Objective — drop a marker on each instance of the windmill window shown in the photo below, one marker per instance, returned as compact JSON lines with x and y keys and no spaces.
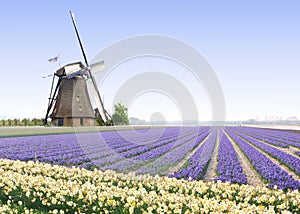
{"x":80,"y":108}
{"x":77,"y":98}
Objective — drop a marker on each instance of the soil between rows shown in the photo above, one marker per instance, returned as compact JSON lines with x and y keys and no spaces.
{"x":210,"y":174}
{"x":277,"y":162}
{"x":188,"y":156}
{"x":252,"y":176}
{"x":290,"y":150}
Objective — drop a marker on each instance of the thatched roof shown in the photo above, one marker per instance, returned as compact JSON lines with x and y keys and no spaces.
{"x":73,"y":99}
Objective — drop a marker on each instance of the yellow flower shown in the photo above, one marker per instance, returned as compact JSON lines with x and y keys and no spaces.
{"x":272,"y":199}
{"x":131,"y":210}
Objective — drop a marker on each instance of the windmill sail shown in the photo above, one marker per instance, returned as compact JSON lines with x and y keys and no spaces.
{"x":98,"y":66}
{"x":95,"y":95}
{"x":94,"y":89}
{"x":94,"y":68}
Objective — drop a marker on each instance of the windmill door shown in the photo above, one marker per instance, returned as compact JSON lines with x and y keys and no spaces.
{"x":60,"y":122}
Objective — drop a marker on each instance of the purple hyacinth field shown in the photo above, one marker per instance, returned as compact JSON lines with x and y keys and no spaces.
{"x":240,"y":155}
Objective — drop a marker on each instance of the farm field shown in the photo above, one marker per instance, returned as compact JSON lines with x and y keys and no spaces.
{"x":173,"y":169}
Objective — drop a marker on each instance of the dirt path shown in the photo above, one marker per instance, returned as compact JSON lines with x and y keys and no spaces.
{"x":283,"y":167}
{"x":190,"y":154}
{"x":252,"y":176}
{"x":294,"y":150}
{"x":210,"y":174}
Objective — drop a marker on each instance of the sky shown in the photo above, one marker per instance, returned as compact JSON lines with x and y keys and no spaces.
{"x":252,"y":46}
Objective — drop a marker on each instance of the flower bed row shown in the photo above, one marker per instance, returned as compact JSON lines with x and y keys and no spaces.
{"x":102,"y":150}
{"x":268,"y":170}
{"x":186,"y":144}
{"x":289,"y":160}
{"x":275,"y":137}
{"x":229,"y":167}
{"x":41,"y":188}
{"x":196,"y":165}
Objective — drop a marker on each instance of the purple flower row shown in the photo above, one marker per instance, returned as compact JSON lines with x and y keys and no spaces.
{"x":138,"y":162}
{"x":267,"y":139}
{"x":96,"y":149}
{"x":273,"y":136}
{"x":229,"y":167}
{"x":154,"y":145}
{"x":196,"y":165}
{"x":287,"y":135}
{"x":268,"y":170}
{"x":162,"y":164}
{"x":124,"y":152}
{"x":66,"y":149}
{"x":290,"y":161}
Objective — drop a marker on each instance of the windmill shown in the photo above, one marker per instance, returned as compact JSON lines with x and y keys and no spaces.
{"x":70,"y":101}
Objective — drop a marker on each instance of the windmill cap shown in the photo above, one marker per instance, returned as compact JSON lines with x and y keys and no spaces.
{"x":69,"y":69}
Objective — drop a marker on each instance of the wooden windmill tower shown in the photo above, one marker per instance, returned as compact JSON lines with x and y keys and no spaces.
{"x":70,"y":101}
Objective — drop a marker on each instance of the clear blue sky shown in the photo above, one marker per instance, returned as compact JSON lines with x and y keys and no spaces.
{"x":253,"y":46}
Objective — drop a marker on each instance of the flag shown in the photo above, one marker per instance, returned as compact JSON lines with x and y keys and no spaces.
{"x":52,"y":60}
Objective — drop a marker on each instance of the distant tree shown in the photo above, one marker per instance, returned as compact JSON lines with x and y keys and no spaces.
{"x":15,"y":122}
{"x":25,"y":122}
{"x":9,"y":122}
{"x":3,"y":122}
{"x":120,"y":116}
{"x":34,"y":122}
{"x":40,"y":122}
